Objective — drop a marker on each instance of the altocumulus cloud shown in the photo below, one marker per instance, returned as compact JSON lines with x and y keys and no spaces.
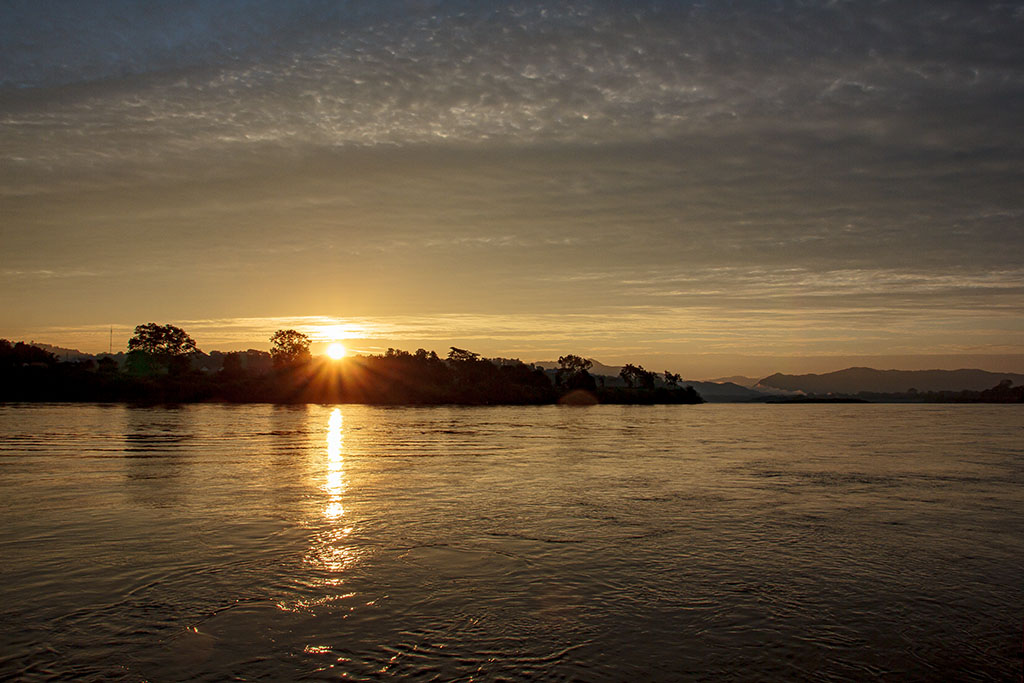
{"x":493,"y":157}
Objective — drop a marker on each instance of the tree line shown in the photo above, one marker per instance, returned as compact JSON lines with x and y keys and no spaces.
{"x":160,"y":367}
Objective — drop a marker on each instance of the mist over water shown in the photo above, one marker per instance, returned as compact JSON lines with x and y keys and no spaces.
{"x":603,"y":543}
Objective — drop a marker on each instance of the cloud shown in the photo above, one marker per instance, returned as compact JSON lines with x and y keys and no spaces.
{"x":222,"y":75}
{"x":783,"y":164}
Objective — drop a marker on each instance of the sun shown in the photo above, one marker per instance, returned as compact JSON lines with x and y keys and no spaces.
{"x":337,"y":351}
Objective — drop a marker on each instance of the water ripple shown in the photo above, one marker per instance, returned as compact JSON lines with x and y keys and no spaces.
{"x":612,"y":543}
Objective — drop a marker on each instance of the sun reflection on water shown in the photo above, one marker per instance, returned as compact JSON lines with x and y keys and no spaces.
{"x":331,"y":549}
{"x":335,"y":484}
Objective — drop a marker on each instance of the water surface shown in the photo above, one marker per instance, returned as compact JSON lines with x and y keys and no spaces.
{"x":602,"y":543}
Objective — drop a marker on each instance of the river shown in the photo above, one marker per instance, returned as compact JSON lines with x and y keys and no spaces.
{"x":742,"y":542}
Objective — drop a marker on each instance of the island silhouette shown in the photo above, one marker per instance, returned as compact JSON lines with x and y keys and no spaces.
{"x":160,"y":367}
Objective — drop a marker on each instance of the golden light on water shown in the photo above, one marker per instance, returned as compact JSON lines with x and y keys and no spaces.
{"x":330,"y":548}
{"x":335,"y":479}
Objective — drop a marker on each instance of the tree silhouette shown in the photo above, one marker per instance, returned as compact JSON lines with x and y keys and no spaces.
{"x":424,"y":355}
{"x":158,"y":372}
{"x":21,"y":353}
{"x":154,"y":349}
{"x":572,"y":373}
{"x":672,"y":378}
{"x":161,"y":340}
{"x":462,"y":355}
{"x":289,"y":347}
{"x":574,"y":364}
{"x":636,"y":377}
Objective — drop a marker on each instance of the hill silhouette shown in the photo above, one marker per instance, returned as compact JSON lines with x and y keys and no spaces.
{"x":857,"y":380}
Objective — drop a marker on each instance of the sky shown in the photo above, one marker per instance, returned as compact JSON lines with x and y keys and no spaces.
{"x":710,"y":187}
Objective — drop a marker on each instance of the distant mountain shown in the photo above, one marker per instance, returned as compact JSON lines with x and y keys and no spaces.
{"x":62,"y":353}
{"x":743,"y":381}
{"x":855,"y":380}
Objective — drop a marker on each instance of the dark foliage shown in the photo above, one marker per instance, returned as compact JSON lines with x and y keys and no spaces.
{"x":289,"y":348}
{"x":159,"y":349}
{"x":161,"y":340}
{"x":394,"y":378}
{"x":573,"y":375}
{"x":20,"y":353}
{"x":636,"y":377}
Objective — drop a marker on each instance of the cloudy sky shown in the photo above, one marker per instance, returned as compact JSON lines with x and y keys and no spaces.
{"x":712,"y":187}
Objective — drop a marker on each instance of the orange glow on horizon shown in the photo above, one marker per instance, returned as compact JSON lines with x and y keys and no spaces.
{"x":337,"y":351}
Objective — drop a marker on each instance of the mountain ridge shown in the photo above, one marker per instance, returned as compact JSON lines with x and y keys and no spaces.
{"x":861,"y":379}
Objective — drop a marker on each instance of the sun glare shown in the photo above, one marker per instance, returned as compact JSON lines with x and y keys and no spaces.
{"x":337,"y":351}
